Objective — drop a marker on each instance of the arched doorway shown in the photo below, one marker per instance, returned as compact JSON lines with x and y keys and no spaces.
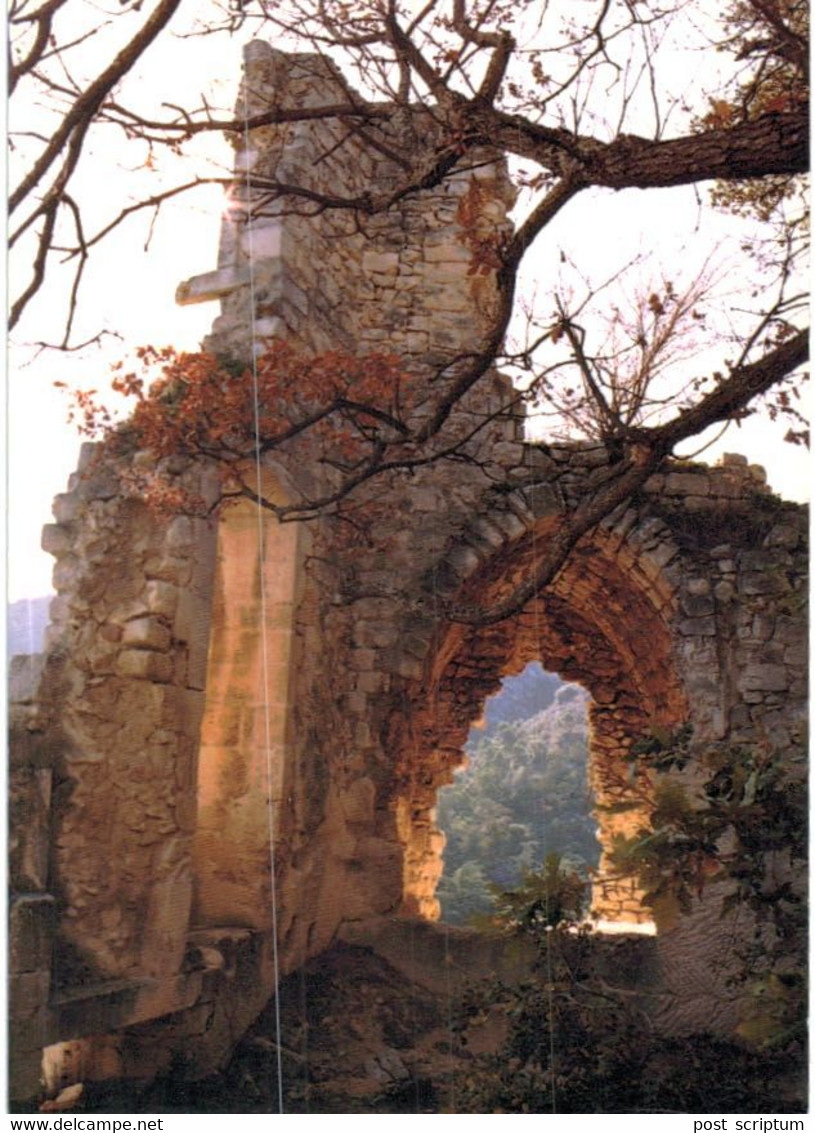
{"x":605,"y":624}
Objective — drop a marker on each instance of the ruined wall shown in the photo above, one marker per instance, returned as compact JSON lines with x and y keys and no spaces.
{"x":401,"y":283}
{"x":220,"y":698}
{"x":104,"y":739}
{"x":656,"y":614}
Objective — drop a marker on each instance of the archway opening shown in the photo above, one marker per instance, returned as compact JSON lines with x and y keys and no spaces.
{"x":522,"y":795}
{"x":604,"y":624}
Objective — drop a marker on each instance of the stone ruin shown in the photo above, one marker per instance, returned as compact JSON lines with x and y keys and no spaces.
{"x":210,"y":688}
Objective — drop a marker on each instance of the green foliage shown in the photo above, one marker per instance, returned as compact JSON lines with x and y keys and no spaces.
{"x":546,"y":898}
{"x":569,"y":1037}
{"x":664,"y":750}
{"x":577,"y":1043}
{"x":749,"y":804}
{"x":524,"y":793}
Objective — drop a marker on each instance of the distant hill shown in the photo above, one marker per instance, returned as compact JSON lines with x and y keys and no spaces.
{"x":524,"y":794}
{"x":25,"y":625}
{"x":520,"y":697}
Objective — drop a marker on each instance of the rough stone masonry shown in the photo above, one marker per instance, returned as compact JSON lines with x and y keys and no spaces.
{"x":152,"y":751}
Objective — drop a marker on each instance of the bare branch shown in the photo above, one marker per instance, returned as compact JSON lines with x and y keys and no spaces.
{"x":81,"y":114}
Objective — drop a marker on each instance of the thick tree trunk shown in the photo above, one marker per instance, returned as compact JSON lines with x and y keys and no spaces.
{"x":775,"y":143}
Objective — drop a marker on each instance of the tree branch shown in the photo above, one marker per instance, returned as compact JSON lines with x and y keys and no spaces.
{"x":650,"y":449}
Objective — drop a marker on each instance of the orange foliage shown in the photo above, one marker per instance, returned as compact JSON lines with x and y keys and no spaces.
{"x":333,"y":405}
{"x":479,"y":231}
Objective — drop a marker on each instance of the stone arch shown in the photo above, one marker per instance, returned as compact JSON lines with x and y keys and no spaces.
{"x":605,"y":622}
{"x":245,"y":728}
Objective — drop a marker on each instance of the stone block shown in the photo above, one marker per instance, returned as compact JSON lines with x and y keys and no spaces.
{"x":447,"y":252}
{"x":695,"y":504}
{"x":754,"y":582}
{"x":649,"y":532}
{"x":463,"y":560}
{"x":452,"y":269}
{"x":762,"y":628}
{"x":363,"y":659}
{"x":25,"y":673}
{"x":450,"y":300}
{"x":88,"y":452}
{"x":687,"y":484}
{"x":266,"y":328}
{"x":796,"y":654}
{"x":698,"y":586}
{"x":263,"y":241}
{"x":511,"y":525}
{"x":66,"y":573}
{"x":415,"y":645}
{"x":654,"y":561}
{"x":783,"y":535}
{"x":29,"y":1017}
{"x":179,"y":537}
{"x":371,"y":682}
{"x":145,"y":665}
{"x":375,"y":635}
{"x":99,"y":482}
{"x":60,"y":609}
{"x":698,"y":627}
{"x":147,"y":633}
{"x":761,"y":559}
{"x":211,"y":285}
{"x":726,"y":488}
{"x":356,"y":703}
{"x":489,"y":533}
{"x":56,"y":540}
{"x":168,"y":569}
{"x":696,"y":606}
{"x":408,"y":667}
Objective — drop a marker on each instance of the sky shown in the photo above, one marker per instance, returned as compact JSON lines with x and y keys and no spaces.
{"x":127,"y":289}
{"x":131,"y":290}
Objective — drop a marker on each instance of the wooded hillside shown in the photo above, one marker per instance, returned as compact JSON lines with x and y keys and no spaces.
{"x":524,"y":794}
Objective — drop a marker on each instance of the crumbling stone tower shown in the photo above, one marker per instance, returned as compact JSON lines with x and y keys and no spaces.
{"x":220,"y":707}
